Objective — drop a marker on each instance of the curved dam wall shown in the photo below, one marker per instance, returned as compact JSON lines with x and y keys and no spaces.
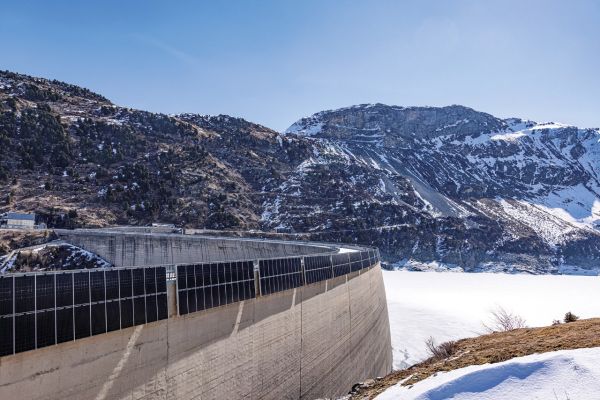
{"x":309,"y":342}
{"x":305,"y":343}
{"x":133,"y":249}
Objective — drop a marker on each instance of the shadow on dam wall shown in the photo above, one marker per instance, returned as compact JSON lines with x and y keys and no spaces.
{"x":305,"y":343}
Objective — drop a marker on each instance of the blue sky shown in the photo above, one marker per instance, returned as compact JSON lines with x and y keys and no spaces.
{"x":273,"y":62}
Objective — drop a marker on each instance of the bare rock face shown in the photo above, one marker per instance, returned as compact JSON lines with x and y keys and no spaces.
{"x":465,"y":189}
{"x":445,"y":187}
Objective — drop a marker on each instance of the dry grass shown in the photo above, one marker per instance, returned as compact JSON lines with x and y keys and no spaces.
{"x":11,"y":239}
{"x":493,"y":348}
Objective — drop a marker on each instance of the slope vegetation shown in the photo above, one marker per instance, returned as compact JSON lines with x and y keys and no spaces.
{"x":491,"y":349}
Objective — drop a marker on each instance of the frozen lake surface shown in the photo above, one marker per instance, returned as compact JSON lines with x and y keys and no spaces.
{"x":450,"y":306}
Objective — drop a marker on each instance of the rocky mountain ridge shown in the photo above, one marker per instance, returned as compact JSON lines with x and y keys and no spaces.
{"x":446,"y":187}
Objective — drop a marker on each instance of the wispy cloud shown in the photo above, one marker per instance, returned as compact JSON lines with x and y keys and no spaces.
{"x":167,"y":48}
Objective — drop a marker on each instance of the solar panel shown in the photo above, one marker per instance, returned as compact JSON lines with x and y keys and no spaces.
{"x":113,"y":318}
{"x":161,"y":280}
{"x":97,"y":286}
{"x":138,"y":281}
{"x":214,"y":274}
{"x":64,"y":325}
{"x":200,"y":299}
{"x":235,"y":292}
{"x":150,"y":280}
{"x":112,"y":284}
{"x":317,"y":268}
{"x":181,"y":277}
{"x":6,"y":297}
{"x":81,"y":287}
{"x":277,"y":275}
{"x":24,"y":293}
{"x":221,"y":272}
{"x":199,"y":275}
{"x":45,"y":301}
{"x":125,"y":283}
{"x":341,"y":265}
{"x":222,"y":295}
{"x":6,"y":335}
{"x":45,"y":328}
{"x":151,"y":310}
{"x":227,"y":275}
{"x":206,"y":274}
{"x":82,"y":321}
{"x":208,"y":297}
{"x":98,"y":318}
{"x":182,"y":301}
{"x":139,"y":310}
{"x":24,"y":332}
{"x":162,"y":306}
{"x":126,"y":313}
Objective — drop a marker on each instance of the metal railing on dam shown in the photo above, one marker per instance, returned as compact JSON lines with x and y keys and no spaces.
{"x":40,"y":309}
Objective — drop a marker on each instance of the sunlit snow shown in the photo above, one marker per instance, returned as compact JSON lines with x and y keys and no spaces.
{"x":558,"y":375}
{"x":451,"y":306}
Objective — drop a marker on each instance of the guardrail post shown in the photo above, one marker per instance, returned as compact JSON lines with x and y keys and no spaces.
{"x":257,"y":290}
{"x":331,"y":264}
{"x":303,"y":270}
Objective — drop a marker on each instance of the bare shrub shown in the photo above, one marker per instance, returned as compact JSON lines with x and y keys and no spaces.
{"x":570,"y":317}
{"x":440,"y":351}
{"x":504,"y":321}
{"x":556,"y":322}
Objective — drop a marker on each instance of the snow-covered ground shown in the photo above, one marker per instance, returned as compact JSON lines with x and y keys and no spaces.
{"x":450,"y":306}
{"x":559,"y":375}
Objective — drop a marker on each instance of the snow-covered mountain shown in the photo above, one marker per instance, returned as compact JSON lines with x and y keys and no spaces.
{"x":481,"y":190}
{"x":446,"y":187}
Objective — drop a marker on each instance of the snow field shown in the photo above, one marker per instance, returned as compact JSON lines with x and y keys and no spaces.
{"x":559,"y":375}
{"x":450,"y":306}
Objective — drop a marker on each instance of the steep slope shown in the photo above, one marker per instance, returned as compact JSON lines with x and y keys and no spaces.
{"x":509,"y":192}
{"x":449,"y":185}
{"x":77,"y":159}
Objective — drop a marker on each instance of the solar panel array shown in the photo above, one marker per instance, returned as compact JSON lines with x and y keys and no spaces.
{"x":203,"y":286}
{"x":43,"y":309}
{"x":280,"y":274}
{"x":317,"y":268}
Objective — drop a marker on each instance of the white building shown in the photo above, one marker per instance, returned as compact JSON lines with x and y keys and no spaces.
{"x":18,"y":220}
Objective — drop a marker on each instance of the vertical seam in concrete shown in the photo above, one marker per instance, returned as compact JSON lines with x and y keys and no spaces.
{"x":168,"y":386}
{"x":300,"y":355}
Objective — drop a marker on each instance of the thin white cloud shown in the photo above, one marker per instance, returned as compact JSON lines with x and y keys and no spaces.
{"x":167,"y":48}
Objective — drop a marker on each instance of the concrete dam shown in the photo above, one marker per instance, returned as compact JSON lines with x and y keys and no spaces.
{"x":190,"y":317}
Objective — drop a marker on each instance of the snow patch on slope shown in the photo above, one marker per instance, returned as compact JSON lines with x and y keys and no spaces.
{"x":566,"y":374}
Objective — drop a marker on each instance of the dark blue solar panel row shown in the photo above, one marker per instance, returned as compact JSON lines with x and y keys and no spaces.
{"x":42,"y":309}
{"x":203,"y":286}
{"x":317,"y":268}
{"x":341,"y":264}
{"x":280,"y":274}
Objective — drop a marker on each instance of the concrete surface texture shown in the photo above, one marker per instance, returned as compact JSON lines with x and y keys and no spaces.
{"x":314,"y":341}
{"x":132,"y":249}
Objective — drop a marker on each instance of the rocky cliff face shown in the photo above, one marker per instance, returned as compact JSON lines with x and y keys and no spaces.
{"x":490,"y":193}
{"x":444,"y":187}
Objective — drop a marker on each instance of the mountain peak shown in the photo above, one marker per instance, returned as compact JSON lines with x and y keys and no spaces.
{"x":396,"y":121}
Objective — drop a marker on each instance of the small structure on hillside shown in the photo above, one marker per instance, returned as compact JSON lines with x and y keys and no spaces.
{"x":17,"y":220}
